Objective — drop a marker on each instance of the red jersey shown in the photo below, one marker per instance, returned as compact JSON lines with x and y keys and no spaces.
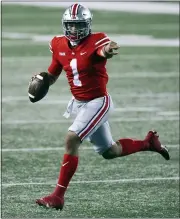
{"x":85,"y":69}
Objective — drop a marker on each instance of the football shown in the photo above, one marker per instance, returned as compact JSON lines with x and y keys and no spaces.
{"x":38,"y":87}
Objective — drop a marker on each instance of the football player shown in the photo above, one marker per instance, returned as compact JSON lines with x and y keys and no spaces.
{"x":83,"y":56}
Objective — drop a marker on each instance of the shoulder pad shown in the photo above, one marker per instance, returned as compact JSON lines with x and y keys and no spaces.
{"x":54,"y":41}
{"x":100,"y":39}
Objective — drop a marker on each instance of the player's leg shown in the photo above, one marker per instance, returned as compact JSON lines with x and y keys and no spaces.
{"x":129,"y":146}
{"x":88,"y":119}
{"x":67,"y":170}
{"x":150,"y":143}
{"x":104,"y":144}
{"x":69,"y":164}
{"x":102,"y":141}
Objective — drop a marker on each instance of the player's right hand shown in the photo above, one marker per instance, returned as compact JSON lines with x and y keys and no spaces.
{"x":38,"y":86}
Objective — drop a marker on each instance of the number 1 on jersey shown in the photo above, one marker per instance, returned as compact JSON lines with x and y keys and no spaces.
{"x":75,"y":72}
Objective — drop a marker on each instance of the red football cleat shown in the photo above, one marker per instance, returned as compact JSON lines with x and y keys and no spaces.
{"x":153,"y":144}
{"x":51,"y":201}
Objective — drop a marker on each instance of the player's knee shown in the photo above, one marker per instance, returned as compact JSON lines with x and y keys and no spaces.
{"x":111,"y":153}
{"x":72,"y":142}
{"x":105,"y":155}
{"x":108,"y":154}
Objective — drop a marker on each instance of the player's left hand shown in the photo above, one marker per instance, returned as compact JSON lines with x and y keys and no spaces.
{"x":109,"y":48}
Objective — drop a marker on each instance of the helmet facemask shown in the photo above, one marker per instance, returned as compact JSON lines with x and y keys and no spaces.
{"x":76,"y":22}
{"x":76,"y":30}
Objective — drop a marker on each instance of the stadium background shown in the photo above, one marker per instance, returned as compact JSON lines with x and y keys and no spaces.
{"x":144,"y":84}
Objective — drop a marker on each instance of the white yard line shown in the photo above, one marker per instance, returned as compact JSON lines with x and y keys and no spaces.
{"x":165,"y":95}
{"x":120,"y":109}
{"x":40,"y":149}
{"x":114,"y":75}
{"x":137,"y":109}
{"x":145,"y":119}
{"x":44,"y":149}
{"x":148,"y":56}
{"x":122,"y":56}
{"x":15,"y":98}
{"x":122,"y":40}
{"x":168,"y":113}
{"x":133,"y":180}
{"x":64,"y":99}
{"x":145,"y":75}
{"x":135,"y":7}
{"x":63,"y":121}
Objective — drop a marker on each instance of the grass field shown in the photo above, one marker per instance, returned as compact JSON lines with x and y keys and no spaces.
{"x":144,"y":84}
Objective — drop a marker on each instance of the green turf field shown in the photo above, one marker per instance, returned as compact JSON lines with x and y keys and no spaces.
{"x":144,"y":84}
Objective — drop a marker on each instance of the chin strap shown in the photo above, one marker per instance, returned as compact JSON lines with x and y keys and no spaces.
{"x":78,"y":41}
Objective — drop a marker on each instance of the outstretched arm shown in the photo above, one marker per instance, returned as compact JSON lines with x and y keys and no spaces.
{"x":108,"y":50}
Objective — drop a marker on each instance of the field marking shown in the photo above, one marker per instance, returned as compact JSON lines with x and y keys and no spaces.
{"x":136,"y":109}
{"x":68,"y":97}
{"x":122,"y":40}
{"x":168,"y":113}
{"x":135,"y":7}
{"x":63,"y":121}
{"x":39,"y":149}
{"x":112,"y":75}
{"x":140,"y":27}
{"x":145,"y":75}
{"x":122,"y":56}
{"x":57,"y":149}
{"x":120,"y":109}
{"x":96,"y":181}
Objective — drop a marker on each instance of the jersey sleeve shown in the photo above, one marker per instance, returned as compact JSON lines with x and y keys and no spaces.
{"x":55,"y":67}
{"x":101,"y":40}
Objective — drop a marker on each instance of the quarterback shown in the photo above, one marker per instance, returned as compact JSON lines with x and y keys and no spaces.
{"x":83,"y":56}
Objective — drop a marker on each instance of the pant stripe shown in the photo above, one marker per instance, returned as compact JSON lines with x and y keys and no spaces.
{"x":97,"y":113}
{"x":96,"y":119}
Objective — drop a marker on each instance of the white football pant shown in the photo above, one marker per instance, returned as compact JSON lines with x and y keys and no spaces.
{"x":91,"y":121}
